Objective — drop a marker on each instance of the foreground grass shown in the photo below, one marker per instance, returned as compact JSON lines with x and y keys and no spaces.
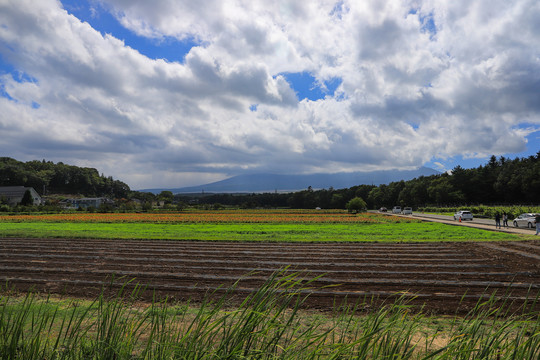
{"x":269,"y":324}
{"x":421,"y":231}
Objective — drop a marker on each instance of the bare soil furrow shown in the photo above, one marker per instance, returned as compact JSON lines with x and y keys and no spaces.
{"x":440,"y":301}
{"x":146,"y":276}
{"x":378,"y":262}
{"x":166,"y":268}
{"x":442,"y":249}
{"x":219,"y":253}
{"x":161,"y":257}
{"x":508,"y":249}
{"x":531,"y":247}
{"x":444,"y":277}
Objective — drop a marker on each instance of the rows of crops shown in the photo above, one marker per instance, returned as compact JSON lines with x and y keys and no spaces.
{"x":237,"y":216}
{"x":275,"y":226}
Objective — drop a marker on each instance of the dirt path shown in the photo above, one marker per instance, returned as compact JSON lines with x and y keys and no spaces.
{"x":445,"y":277}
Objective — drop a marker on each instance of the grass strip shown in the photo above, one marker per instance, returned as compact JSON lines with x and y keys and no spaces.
{"x":309,"y":232}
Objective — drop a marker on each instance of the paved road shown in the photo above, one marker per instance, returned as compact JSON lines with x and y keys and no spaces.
{"x":487,"y":224}
{"x":451,"y":218}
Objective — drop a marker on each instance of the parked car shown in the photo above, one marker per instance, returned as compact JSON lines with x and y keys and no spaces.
{"x":383,"y":209}
{"x":463,"y":215}
{"x":396,"y":210}
{"x":407,"y":211}
{"x":527,"y":220}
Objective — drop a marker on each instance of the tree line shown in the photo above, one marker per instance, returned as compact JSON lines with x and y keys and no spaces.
{"x":500,"y":181}
{"x":48,"y":177}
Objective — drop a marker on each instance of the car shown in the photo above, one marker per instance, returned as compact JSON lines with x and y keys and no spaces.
{"x":383,"y":209}
{"x":407,"y":211}
{"x":463,"y":215}
{"x":396,"y":210}
{"x":527,"y":220}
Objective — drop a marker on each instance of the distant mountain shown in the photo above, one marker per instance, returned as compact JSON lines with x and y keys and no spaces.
{"x":258,"y":183}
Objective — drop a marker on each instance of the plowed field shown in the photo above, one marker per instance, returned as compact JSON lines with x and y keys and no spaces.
{"x":444,"y":277}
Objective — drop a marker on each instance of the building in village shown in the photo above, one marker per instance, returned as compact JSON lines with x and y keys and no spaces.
{"x":85,"y":203}
{"x":13,"y":195}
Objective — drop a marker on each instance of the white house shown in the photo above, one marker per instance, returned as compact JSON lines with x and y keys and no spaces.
{"x":85,"y":203}
{"x":13,"y":195}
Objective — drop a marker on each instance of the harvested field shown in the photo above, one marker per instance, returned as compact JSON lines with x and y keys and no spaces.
{"x":446,"y":277}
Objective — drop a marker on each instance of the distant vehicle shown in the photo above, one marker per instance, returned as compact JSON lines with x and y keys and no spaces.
{"x":407,"y":211}
{"x":463,"y":215}
{"x":396,"y":210}
{"x":527,"y":219}
{"x":383,"y":209}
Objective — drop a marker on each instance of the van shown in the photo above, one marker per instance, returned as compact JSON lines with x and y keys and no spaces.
{"x":396,"y":210}
{"x":407,"y":211}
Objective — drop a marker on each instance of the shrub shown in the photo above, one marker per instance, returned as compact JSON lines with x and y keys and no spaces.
{"x":356,"y":204}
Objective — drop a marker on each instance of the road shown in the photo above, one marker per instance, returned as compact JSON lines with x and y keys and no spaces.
{"x":488,"y":224}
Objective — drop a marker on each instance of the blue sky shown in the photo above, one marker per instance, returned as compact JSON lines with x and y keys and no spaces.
{"x":103,"y":21}
{"x":169,"y":94}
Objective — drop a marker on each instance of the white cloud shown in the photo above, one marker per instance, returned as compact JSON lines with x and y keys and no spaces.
{"x":408,"y":93}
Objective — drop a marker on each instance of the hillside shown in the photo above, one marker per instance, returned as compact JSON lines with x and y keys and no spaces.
{"x":48,"y":177}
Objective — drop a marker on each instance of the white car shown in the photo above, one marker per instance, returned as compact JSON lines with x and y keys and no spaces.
{"x":396,"y":210}
{"x":527,"y":220}
{"x":407,"y":211}
{"x":463,"y":215}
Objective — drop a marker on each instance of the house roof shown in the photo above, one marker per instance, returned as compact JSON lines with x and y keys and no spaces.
{"x":14,"y":190}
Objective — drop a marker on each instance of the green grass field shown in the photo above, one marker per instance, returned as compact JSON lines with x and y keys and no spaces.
{"x":307,"y":232}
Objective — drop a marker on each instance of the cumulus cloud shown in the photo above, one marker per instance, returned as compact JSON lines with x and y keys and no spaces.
{"x":419,"y":80}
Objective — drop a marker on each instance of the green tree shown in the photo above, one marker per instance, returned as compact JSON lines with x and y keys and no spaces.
{"x":376,"y":196}
{"x":166,"y":196}
{"x":217,"y":206}
{"x":147,"y":206}
{"x":27,"y":199}
{"x":356,"y":204}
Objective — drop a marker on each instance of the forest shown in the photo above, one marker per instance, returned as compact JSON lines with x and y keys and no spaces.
{"x":47,"y":177}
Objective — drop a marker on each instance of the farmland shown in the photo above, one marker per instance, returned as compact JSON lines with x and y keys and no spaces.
{"x":441,"y":274}
{"x":335,"y":258}
{"x":258,"y":225}
{"x":357,"y":255}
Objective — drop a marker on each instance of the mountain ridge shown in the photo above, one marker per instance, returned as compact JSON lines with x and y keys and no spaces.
{"x":261,"y":183}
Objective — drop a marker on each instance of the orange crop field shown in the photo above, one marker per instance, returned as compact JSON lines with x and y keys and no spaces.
{"x":228,"y":216}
